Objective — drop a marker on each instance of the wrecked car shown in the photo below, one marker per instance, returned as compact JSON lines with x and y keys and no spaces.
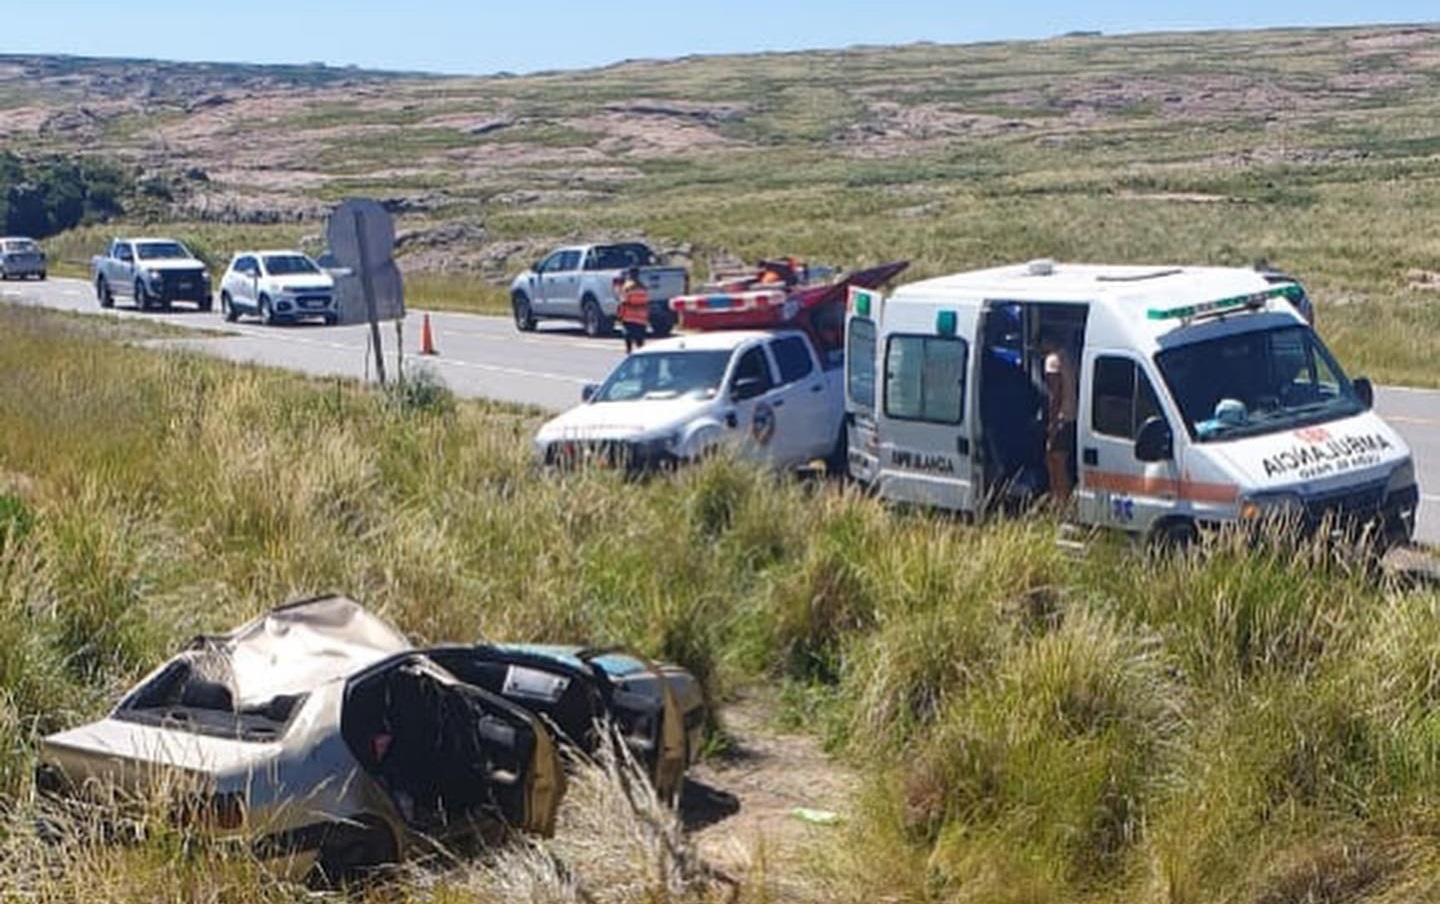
{"x":319,"y":735}
{"x":657,"y":710}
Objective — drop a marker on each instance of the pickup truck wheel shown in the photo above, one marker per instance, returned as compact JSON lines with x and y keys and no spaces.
{"x":207,"y":304}
{"x":660,"y":327}
{"x":142,"y":298}
{"x":267,"y":313}
{"x":102,"y":293}
{"x":595,"y":322}
{"x":227,"y":308}
{"x":524,"y":314}
{"x":837,"y":463}
{"x":43,"y":274}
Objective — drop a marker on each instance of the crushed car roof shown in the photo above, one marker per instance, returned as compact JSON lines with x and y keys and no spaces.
{"x":299,"y":646}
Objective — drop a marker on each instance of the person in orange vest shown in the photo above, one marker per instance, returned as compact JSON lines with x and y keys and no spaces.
{"x":634,"y":310}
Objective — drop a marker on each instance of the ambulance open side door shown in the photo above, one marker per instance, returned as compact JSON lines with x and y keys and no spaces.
{"x":926,"y":419}
{"x":861,"y":397}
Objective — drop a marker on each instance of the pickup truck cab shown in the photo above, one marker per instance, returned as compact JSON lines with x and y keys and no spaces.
{"x":154,"y":272}
{"x":1202,"y":398}
{"x":580,"y":283}
{"x":277,"y":286}
{"x":764,"y":393}
{"x":21,"y":257}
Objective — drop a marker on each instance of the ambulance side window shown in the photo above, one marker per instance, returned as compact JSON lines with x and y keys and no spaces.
{"x":1122,"y":398}
{"x":860,"y":363}
{"x":925,"y":379}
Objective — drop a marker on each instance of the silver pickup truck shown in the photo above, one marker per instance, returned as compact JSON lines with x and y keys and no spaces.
{"x":579,"y":283}
{"x":152,"y":272}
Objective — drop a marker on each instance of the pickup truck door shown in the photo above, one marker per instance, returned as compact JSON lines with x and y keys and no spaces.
{"x":560,"y":283}
{"x":753,"y":419}
{"x":120,"y":269}
{"x":925,"y":425}
{"x":807,"y":416}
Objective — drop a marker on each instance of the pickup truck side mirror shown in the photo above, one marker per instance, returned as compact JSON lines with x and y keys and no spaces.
{"x":589,"y":391}
{"x":1154,"y":442}
{"x":1365,"y":392}
{"x":747,"y":388}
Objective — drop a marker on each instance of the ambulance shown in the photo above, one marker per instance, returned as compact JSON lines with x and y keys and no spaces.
{"x":1204,"y":398}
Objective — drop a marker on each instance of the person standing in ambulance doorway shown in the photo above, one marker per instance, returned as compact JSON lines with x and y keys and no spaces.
{"x":1062,"y":385}
{"x":634,"y":310}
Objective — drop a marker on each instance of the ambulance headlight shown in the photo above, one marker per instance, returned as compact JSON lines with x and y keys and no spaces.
{"x":1402,"y":478}
{"x":1276,"y":506}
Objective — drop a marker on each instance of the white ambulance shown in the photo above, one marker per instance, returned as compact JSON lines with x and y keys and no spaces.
{"x":1203,"y":398}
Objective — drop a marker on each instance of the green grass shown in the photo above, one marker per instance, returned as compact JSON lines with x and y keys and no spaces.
{"x":1238,"y":725}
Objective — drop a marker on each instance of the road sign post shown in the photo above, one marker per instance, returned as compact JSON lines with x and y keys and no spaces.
{"x":362,"y":240}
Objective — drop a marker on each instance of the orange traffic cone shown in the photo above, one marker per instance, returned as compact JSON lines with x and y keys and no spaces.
{"x":427,"y":341}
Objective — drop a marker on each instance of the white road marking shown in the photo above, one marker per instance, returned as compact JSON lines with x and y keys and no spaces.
{"x":1406,"y":419}
{"x":1411,"y":389}
{"x":1430,"y":497}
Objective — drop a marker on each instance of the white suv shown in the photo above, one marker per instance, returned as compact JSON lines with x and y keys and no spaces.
{"x":277,"y":286}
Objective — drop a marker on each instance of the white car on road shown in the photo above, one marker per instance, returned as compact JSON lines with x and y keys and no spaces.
{"x":277,"y":286}
{"x":765,"y":393}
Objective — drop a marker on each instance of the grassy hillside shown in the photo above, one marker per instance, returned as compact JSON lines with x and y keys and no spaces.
{"x":1314,"y":149}
{"x":1238,"y":726}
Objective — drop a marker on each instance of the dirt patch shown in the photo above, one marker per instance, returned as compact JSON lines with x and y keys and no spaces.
{"x":1393,"y":39}
{"x":1366,"y":82}
{"x":888,"y":121}
{"x":741,"y":806}
{"x":1423,"y":280}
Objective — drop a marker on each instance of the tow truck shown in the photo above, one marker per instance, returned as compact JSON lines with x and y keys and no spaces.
{"x":758,"y":369}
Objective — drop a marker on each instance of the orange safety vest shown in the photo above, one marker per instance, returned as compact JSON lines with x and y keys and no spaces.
{"x":634,"y":304}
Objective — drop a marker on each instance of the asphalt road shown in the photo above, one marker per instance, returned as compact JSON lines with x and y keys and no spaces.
{"x":487,"y":357}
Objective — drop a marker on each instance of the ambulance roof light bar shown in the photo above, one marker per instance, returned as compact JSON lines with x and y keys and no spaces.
{"x":1221,"y":307}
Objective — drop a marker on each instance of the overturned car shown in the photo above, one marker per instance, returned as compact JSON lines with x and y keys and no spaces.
{"x":320,"y":737}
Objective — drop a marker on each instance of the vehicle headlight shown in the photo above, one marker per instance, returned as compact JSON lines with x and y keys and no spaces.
{"x":1402,"y":478}
{"x":154,"y":274}
{"x":1272,"y":506}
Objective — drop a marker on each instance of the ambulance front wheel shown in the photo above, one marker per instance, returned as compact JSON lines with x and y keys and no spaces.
{"x":1175,"y":535}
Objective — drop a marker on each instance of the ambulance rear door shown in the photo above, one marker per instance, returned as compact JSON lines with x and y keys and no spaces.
{"x":925,"y":419}
{"x":861,"y":398}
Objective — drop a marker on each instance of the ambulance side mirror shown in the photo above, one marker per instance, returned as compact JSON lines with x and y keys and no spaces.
{"x":1365,"y":392}
{"x":1155,"y":442}
{"x":588,"y":391}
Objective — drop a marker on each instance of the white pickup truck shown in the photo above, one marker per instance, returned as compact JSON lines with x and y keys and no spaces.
{"x":766,"y":393}
{"x":154,"y":272}
{"x":579,"y":283}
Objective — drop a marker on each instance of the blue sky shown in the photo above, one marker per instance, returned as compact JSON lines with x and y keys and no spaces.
{"x":483,"y":36}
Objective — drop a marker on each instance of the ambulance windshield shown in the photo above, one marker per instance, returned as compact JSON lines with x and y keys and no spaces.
{"x":665,"y":375}
{"x":1249,"y":384}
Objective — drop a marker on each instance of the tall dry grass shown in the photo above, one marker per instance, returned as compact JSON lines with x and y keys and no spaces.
{"x":1236,"y":725}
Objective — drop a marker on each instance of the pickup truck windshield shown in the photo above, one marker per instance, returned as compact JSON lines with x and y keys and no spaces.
{"x":618,"y":257}
{"x":1250,"y":384}
{"x":665,"y":375}
{"x":288,"y":264}
{"x":23,"y":246}
{"x":161,"y":251}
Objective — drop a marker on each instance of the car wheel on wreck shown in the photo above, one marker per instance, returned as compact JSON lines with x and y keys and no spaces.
{"x":355,"y":854}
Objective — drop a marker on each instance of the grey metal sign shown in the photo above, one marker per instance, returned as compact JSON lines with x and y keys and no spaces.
{"x":361,"y":235}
